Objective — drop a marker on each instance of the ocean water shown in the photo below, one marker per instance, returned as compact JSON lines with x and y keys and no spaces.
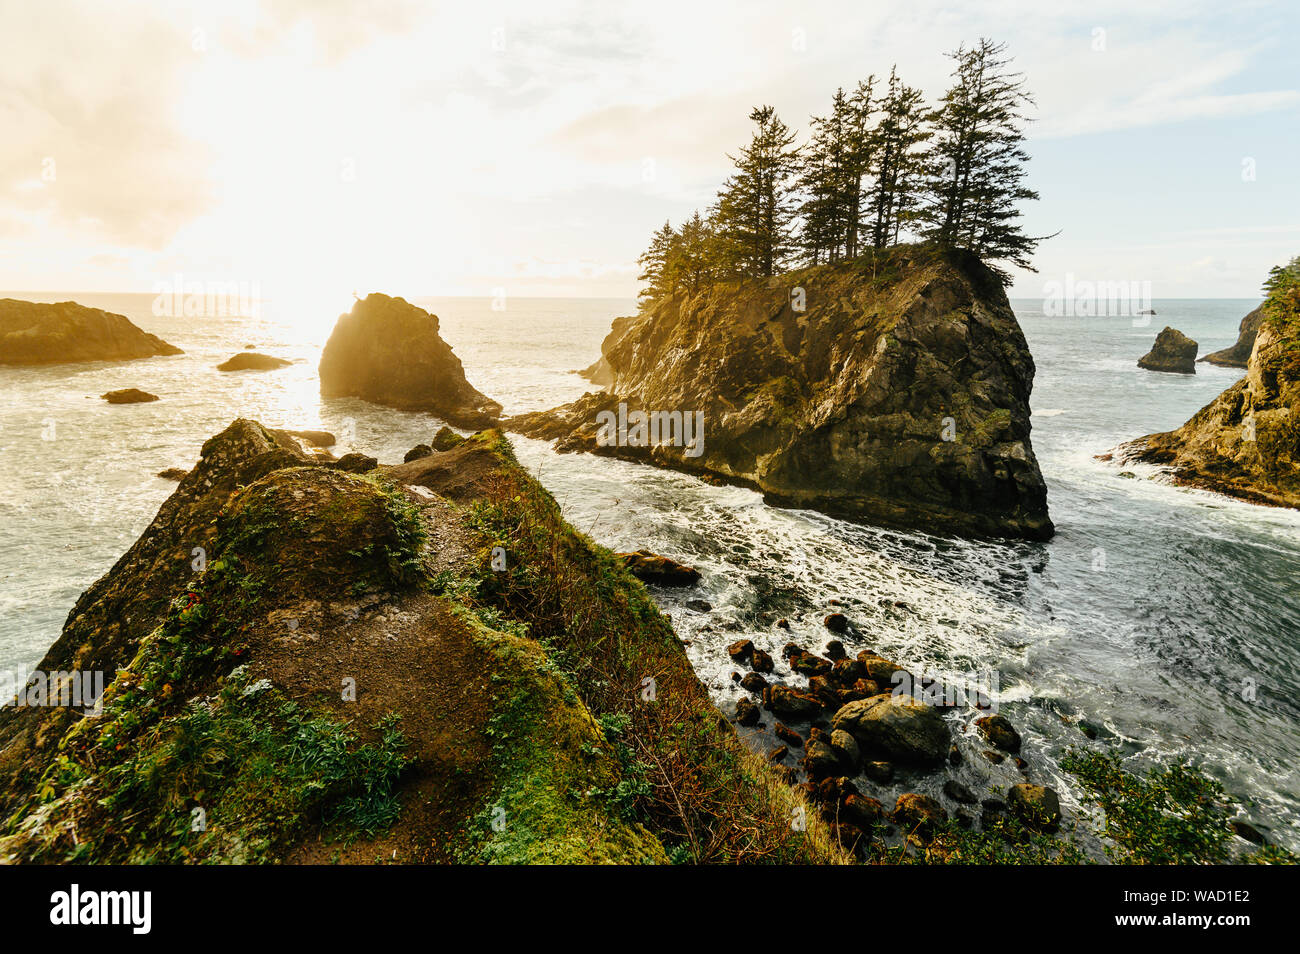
{"x":1168,"y":616}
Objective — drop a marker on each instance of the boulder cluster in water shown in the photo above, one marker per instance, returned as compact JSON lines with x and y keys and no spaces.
{"x":855,"y":733}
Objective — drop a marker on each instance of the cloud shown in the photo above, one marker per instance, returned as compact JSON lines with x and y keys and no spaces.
{"x":89,"y":137}
{"x":513,"y":129}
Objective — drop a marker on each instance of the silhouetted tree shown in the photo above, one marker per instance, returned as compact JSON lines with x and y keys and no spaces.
{"x":977,"y":163}
{"x":756,"y":205}
{"x":899,"y":166}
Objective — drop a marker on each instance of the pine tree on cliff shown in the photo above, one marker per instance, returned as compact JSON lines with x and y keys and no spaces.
{"x":692,"y":258}
{"x":756,"y":205}
{"x":1282,"y":301}
{"x":977,"y":163}
{"x":894,"y":201}
{"x":654,"y":262}
{"x":835,"y":162}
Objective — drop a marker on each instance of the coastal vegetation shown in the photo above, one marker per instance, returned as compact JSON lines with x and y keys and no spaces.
{"x":880,"y":168}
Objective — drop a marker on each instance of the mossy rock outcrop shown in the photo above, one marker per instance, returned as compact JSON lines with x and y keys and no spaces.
{"x":38,"y":333}
{"x":310,"y":665}
{"x":893,"y":388}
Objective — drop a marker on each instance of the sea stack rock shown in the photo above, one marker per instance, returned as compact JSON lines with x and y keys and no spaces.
{"x":1244,"y":443}
{"x":1239,"y":354}
{"x":1173,"y":351}
{"x":36,"y":333}
{"x":895,"y":391}
{"x":389,"y":352}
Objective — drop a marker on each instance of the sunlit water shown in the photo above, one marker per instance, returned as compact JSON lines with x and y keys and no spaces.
{"x":1167,"y":615}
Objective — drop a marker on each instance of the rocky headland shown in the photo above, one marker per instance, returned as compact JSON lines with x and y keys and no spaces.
{"x":310,"y":660}
{"x":389,"y":352}
{"x":1238,"y":355}
{"x":894,"y":388}
{"x":1244,"y":443}
{"x":33,"y":333}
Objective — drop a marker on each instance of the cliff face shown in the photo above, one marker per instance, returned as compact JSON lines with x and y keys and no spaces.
{"x":1246,"y":442}
{"x":388,"y":351}
{"x":418,"y":663}
{"x":1239,"y":354}
{"x":37,"y":333}
{"x":900,"y":394}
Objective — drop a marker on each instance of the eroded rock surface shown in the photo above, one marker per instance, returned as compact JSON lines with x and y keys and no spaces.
{"x":899,"y":396}
{"x":388,"y":351}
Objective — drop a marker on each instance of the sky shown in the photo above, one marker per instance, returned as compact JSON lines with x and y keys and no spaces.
{"x":318,"y":149}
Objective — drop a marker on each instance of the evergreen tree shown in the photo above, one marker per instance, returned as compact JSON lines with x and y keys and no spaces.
{"x":835,"y":161}
{"x":692,"y":264}
{"x":654,"y":263}
{"x":860,"y":150}
{"x":756,"y":204}
{"x":977,"y":162}
{"x":899,"y":167}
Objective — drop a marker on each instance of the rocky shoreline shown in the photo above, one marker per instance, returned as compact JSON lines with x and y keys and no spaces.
{"x":1246,"y":442}
{"x":862,"y":726}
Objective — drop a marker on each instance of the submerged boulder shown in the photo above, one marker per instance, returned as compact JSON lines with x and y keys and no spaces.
{"x":252,"y":361}
{"x":894,"y":390}
{"x":1173,"y":352}
{"x":1000,"y":732}
{"x":1036,"y":806}
{"x":659,"y":570}
{"x":129,"y":396}
{"x":389,"y":352}
{"x":38,"y":333}
{"x":1238,"y":355}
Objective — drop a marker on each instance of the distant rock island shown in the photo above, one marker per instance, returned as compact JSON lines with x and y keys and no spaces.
{"x":1238,"y":355}
{"x":1173,"y":352}
{"x":33,"y":333}
{"x":1246,"y":442}
{"x":129,"y":396}
{"x":252,"y":361}
{"x":893,"y":388}
{"x":389,"y":352}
